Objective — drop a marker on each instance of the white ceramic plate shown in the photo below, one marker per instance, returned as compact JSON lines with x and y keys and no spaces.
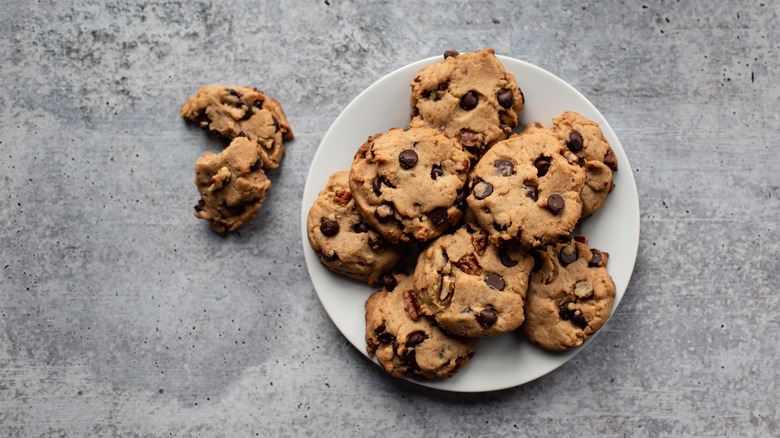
{"x":507,"y":360}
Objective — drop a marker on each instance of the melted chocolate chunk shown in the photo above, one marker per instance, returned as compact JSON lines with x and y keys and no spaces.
{"x":415,"y":338}
{"x":542,"y":165}
{"x":438,"y":216}
{"x":329,"y":227}
{"x":389,"y":282}
{"x":532,"y":192}
{"x":506,"y":260}
{"x":595,"y":259}
{"x":407,"y":158}
{"x":487,"y":318}
{"x":495,"y":281}
{"x":451,"y":54}
{"x":469,"y":101}
{"x":567,"y":258}
{"x":506,"y":98}
{"x":360,"y":227}
{"x":436,"y":171}
{"x":504,"y":168}
{"x":555,"y":203}
{"x":575,"y":141}
{"x":482,"y":189}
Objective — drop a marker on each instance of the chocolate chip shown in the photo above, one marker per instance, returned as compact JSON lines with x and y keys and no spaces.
{"x":469,"y":101}
{"x":247,"y":110}
{"x":542,"y":165}
{"x":233,"y":92}
{"x":383,"y":335}
{"x":506,"y":98}
{"x":444,"y":85}
{"x":451,"y":54}
{"x":415,"y":338}
{"x":376,"y":243}
{"x":258,"y":104}
{"x":595,"y":259}
{"x":567,"y":258}
{"x":436,"y":171}
{"x":360,"y":227}
{"x":481,"y":189}
{"x":242,"y":134}
{"x":505,"y":259}
{"x":257,"y":164}
{"x":460,"y":200}
{"x":575,"y":141}
{"x":407,"y":158}
{"x":389,"y":282}
{"x":579,"y":320}
{"x":487,"y":317}
{"x":377,"y":185}
{"x":495,"y":281}
{"x":330,"y":257}
{"x":499,"y":227}
{"x":532,"y":192}
{"x":385,"y":211}
{"x":504,"y":168}
{"x":199,"y":206}
{"x":555,"y":203}
{"x":564,"y":312}
{"x":610,"y":159}
{"x":276,"y":123}
{"x":411,"y":358}
{"x":328,"y":227}
{"x":438,"y":216}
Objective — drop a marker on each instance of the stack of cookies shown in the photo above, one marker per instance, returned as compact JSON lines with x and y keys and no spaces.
{"x":232,"y":183}
{"x":484,"y":218}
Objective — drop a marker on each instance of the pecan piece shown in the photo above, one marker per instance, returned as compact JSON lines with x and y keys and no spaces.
{"x":411,"y":304}
{"x":469,"y":265}
{"x":342,"y":197}
{"x":479,"y":241}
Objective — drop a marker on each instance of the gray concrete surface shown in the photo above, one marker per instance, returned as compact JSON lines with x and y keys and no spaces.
{"x":121,"y":314}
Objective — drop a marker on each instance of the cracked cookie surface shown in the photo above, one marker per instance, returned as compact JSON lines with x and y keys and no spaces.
{"x":409,"y":185}
{"x":404,"y":341}
{"x":584,"y":138}
{"x":232,"y":186}
{"x":569,"y":297}
{"x":470,"y":286}
{"x":469,"y":96}
{"x":242,"y":112}
{"x":342,"y":239}
{"x":527,"y":188}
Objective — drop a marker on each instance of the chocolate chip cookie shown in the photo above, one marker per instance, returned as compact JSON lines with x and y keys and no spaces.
{"x":342,"y":240}
{"x":570,"y":297}
{"x":242,"y":112}
{"x":584,"y":138}
{"x":469,"y":96}
{"x":409,"y":184}
{"x":404,"y":341}
{"x":527,"y":188}
{"x":232,"y":185}
{"x":470,"y":286}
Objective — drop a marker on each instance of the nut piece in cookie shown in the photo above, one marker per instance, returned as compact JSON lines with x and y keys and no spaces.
{"x":232,"y":186}
{"x":584,"y":138}
{"x":469,"y":96}
{"x":403,"y":343}
{"x":242,"y":112}
{"x":470,"y":286}
{"x":570,"y":297}
{"x":527,"y":188}
{"x":343,"y":240}
{"x":409,"y":185}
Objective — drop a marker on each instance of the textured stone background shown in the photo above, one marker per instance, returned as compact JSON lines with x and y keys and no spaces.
{"x":122,"y":314}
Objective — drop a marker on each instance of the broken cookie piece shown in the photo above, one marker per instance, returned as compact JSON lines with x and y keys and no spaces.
{"x":232,"y":185}
{"x":242,"y":112}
